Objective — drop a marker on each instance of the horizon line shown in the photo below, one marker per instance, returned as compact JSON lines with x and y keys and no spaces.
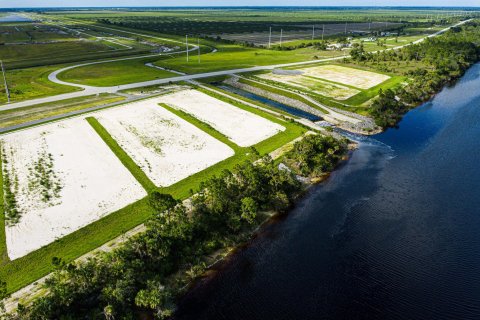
{"x":240,"y":6}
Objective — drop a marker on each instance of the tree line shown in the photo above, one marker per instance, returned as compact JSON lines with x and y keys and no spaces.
{"x":439,"y":61}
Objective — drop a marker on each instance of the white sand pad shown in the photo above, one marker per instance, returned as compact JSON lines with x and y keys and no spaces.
{"x":242,"y":127}
{"x":166,"y":147}
{"x":93,"y":182}
{"x":354,"y":77}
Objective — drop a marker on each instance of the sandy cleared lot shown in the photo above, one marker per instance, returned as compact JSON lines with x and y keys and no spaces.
{"x":166,"y":147}
{"x":349,"y":76}
{"x":316,"y":85}
{"x":240,"y":126}
{"x":63,"y":177}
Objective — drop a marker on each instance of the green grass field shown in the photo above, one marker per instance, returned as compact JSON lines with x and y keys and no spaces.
{"x":30,"y":83}
{"x":115,"y":73}
{"x":33,"y":266}
{"x":18,"y":53}
{"x":235,"y":57}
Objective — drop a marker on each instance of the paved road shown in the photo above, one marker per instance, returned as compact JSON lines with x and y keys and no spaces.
{"x":34,"y":288}
{"x":89,"y":90}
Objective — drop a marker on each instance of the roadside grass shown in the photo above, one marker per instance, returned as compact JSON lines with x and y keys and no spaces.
{"x":115,"y":73}
{"x":134,"y":169}
{"x":236,"y":56}
{"x":15,"y":117}
{"x":29,"y":83}
{"x":3,"y":244}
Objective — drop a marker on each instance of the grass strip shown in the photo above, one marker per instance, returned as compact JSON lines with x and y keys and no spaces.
{"x":202,"y":126}
{"x":3,"y":241}
{"x":25,"y":270}
{"x":14,"y":117}
{"x":365,"y":95}
{"x":134,"y":169}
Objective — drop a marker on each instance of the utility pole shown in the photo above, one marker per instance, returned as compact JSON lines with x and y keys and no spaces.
{"x":5,"y":81}
{"x":186,"y":44}
{"x":198,"y":45}
{"x":313,"y":32}
{"x":281,"y":36}
{"x":270,"y":38}
{"x":345,"y":27}
{"x":323,"y":31}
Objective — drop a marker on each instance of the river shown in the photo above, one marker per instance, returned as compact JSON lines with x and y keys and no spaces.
{"x":392,"y":234}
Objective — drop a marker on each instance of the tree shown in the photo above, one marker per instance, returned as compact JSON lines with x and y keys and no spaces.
{"x":249,"y":209}
{"x":161,"y":202}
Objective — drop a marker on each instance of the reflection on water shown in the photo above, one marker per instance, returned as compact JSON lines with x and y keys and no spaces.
{"x":14,"y":18}
{"x":393,"y":234}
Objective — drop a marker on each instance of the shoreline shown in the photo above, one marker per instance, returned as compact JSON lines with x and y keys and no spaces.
{"x":222,"y":257}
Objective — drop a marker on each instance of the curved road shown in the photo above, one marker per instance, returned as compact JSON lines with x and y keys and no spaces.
{"x":89,"y":90}
{"x":32,"y":289}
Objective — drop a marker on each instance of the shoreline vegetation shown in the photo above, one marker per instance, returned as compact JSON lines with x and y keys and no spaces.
{"x":145,"y":276}
{"x":152,"y":269}
{"x":439,"y":61}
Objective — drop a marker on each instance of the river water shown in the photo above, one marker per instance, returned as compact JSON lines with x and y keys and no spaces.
{"x":393,"y":234}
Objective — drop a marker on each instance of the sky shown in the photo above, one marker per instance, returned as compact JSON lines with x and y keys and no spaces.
{"x":165,"y":3}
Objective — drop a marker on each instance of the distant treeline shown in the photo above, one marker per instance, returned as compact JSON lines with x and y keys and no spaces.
{"x":441,"y":61}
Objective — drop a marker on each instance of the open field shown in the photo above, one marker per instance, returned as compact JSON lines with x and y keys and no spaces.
{"x":243,"y":128}
{"x":59,"y":178}
{"x":23,"y":115}
{"x":114,"y":73}
{"x":30,"y":83}
{"x":348,"y":76}
{"x":305,"y":32}
{"x":242,"y":20}
{"x":31,"y":44}
{"x":42,"y":52}
{"x":235,"y":56}
{"x":167,"y":148}
{"x":324,"y":88}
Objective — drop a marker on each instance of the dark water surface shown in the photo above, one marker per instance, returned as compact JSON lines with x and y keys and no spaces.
{"x":393,"y":234}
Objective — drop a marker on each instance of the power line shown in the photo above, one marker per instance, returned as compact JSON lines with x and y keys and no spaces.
{"x":186,"y":44}
{"x":5,"y":80}
{"x":270,"y":38}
